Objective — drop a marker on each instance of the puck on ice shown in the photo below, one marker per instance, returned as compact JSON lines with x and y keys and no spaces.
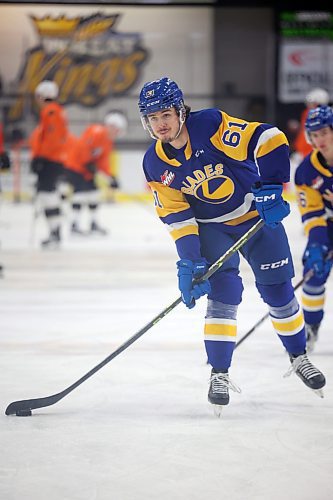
{"x":23,"y":413}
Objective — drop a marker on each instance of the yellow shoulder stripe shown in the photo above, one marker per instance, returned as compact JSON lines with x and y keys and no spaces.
{"x":273,"y":142}
{"x":184,"y":231}
{"x":169,"y":200}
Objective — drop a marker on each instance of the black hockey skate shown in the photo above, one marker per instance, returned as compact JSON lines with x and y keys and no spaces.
{"x":96,"y":229}
{"x":311,"y":336}
{"x":218,"y":394}
{"x":53,"y":240}
{"x":309,"y":374}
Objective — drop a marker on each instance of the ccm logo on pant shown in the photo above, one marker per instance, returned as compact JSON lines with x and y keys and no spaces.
{"x":274,"y":265}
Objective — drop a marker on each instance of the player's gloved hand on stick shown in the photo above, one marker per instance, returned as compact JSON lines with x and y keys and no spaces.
{"x":271,"y":207}
{"x":114,"y":184}
{"x":188,"y":271}
{"x":315,"y":259}
{"x":36,"y":165}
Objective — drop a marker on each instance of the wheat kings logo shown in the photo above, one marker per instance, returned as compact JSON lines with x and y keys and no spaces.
{"x":86,"y":56}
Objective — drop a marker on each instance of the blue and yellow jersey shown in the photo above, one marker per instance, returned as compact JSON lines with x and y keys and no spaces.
{"x":210,"y":179}
{"x":314,"y":187}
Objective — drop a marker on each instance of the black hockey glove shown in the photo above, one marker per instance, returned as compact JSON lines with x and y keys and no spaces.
{"x":4,"y":161}
{"x":37,"y":165}
{"x":91,"y":167}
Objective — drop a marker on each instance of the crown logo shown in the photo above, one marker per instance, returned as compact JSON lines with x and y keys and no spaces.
{"x":81,"y":28}
{"x":55,"y":27}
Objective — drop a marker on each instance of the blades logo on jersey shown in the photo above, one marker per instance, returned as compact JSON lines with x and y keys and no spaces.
{"x":209,"y":185}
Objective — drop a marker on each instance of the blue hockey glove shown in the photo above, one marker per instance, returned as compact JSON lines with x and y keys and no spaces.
{"x":271,"y":206}
{"x":188,"y":271}
{"x":315,"y":258}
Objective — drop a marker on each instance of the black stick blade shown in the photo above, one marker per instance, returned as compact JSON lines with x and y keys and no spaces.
{"x":32,"y":404}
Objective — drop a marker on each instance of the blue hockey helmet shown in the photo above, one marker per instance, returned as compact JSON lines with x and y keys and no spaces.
{"x":318,"y":118}
{"x":159,"y":95}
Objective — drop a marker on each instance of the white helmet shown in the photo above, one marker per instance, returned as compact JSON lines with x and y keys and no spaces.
{"x":47,"y":90}
{"x":317,"y":96}
{"x":116,"y":119}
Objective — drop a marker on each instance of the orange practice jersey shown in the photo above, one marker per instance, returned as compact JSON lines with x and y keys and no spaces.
{"x":93,"y":146}
{"x":300,"y":145}
{"x":48,"y":140}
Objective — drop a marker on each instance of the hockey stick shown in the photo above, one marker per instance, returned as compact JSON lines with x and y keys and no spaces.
{"x":305,"y":278}
{"x":24,"y":407}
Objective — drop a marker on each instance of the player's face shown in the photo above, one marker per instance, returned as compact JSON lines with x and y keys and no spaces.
{"x":41,"y":103}
{"x":323,"y":141}
{"x":165,"y":124}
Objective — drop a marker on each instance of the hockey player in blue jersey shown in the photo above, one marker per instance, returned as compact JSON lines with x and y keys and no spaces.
{"x":213,"y":176}
{"x":314,"y":186}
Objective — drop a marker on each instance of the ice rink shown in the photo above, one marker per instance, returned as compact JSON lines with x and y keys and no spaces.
{"x":141,"y":428}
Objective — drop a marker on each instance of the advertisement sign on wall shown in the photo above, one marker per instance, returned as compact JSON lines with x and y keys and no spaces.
{"x":305,"y":54}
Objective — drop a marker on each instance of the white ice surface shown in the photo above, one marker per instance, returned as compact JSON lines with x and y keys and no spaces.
{"x":141,"y":428}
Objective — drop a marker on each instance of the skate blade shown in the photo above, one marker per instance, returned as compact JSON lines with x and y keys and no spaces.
{"x":217,"y":409}
{"x":52,"y":246}
{"x":76,"y":234}
{"x":319,"y":392}
{"x":97,"y":233}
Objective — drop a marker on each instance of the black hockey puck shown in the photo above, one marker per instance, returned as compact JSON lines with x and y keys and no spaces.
{"x":24,"y":413}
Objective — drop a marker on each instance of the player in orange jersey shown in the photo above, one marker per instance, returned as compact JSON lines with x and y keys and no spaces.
{"x":89,"y":154}
{"x":48,"y":148}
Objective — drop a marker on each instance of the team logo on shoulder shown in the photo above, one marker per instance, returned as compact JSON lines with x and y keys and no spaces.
{"x":167,"y":178}
{"x":317,"y":182}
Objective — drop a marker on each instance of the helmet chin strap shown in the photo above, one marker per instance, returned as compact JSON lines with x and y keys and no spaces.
{"x":181,"y":123}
